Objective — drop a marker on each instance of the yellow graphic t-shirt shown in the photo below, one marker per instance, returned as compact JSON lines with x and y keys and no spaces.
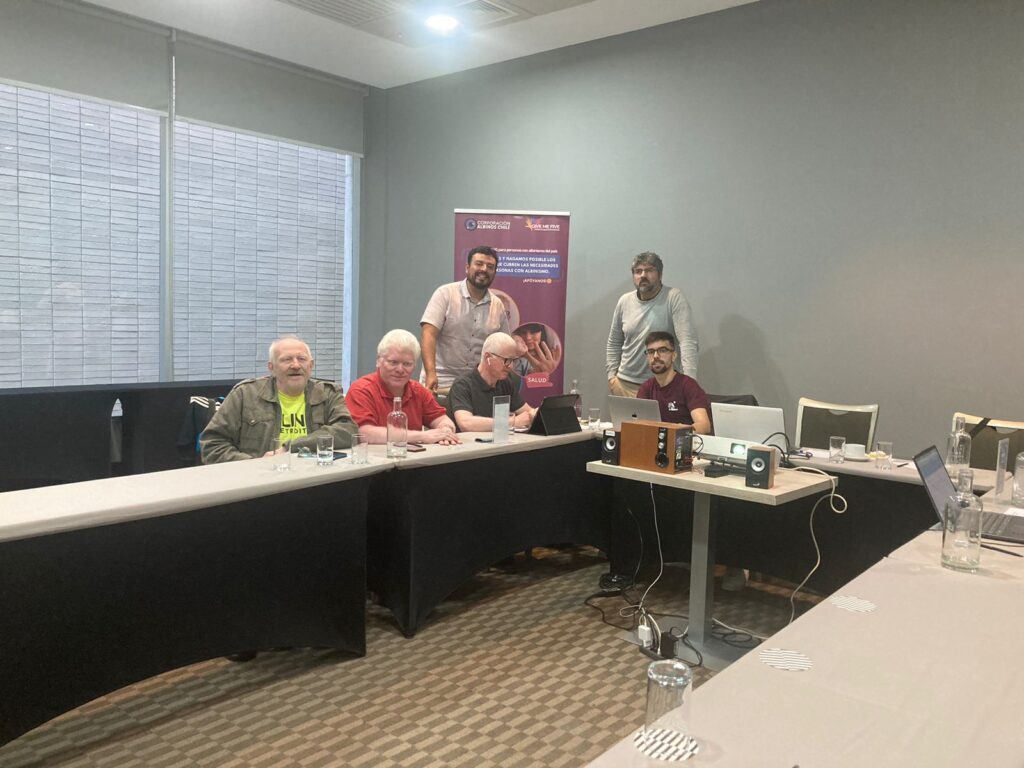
{"x":293,"y":416}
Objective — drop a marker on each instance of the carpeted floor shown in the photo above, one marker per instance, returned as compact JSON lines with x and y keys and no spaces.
{"x":513,"y":670}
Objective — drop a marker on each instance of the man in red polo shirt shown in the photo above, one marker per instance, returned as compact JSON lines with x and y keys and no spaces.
{"x":371,"y":398}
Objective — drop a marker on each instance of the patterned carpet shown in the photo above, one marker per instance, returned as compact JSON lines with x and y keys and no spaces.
{"x":513,"y":670}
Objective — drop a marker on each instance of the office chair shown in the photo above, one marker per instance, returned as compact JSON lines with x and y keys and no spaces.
{"x":733,"y":399}
{"x":200,"y":411}
{"x":985,"y":436}
{"x":817,"y":420}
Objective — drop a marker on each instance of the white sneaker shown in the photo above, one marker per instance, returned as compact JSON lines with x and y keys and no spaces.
{"x":735,"y":579}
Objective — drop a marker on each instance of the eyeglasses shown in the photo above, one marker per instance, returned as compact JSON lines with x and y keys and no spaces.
{"x":508,"y":362}
{"x":660,"y":352}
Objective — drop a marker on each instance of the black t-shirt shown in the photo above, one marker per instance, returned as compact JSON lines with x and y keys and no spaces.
{"x":471,"y":393}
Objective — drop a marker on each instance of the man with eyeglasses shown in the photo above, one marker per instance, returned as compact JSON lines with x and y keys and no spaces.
{"x":471,"y":398}
{"x":457,"y":319}
{"x":652,"y":306}
{"x":681,"y":399}
{"x":371,"y":398}
{"x":287,"y":405}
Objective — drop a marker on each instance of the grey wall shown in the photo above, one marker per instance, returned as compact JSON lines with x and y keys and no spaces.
{"x":837,"y":186}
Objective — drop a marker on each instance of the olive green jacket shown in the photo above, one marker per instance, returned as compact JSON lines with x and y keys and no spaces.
{"x":249,"y":420}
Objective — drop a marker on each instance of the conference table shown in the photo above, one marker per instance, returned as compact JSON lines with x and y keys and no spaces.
{"x":789,"y":486}
{"x":448,"y":511}
{"x":107,"y":582}
{"x":909,"y":664}
{"x":903,"y":470}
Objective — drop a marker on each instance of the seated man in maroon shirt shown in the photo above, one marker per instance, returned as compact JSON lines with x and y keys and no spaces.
{"x":371,"y":398}
{"x":681,"y":398}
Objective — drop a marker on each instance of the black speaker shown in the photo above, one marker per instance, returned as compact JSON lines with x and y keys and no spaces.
{"x":760,"y":466}
{"x":610,"y":447}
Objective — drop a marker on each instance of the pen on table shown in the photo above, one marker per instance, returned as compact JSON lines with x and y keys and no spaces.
{"x":902,"y":464}
{"x":1004,"y":551}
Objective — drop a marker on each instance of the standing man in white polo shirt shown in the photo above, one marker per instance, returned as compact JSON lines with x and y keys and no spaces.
{"x":457,"y":320}
{"x":652,"y":306}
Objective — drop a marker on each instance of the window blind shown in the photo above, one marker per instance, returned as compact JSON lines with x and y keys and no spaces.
{"x":79,"y":241}
{"x":259,"y":251}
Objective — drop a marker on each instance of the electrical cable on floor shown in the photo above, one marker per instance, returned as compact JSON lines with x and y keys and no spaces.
{"x":737,"y":630}
{"x":832,"y":496}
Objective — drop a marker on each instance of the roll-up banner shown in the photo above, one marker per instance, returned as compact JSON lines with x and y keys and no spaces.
{"x":533,"y":265}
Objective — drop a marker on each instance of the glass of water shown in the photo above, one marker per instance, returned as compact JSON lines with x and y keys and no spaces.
{"x":325,"y":451}
{"x":837,"y":449}
{"x":593,"y":419}
{"x":669,"y":691}
{"x":360,"y":450}
{"x":883,"y":455}
{"x":282,"y":456}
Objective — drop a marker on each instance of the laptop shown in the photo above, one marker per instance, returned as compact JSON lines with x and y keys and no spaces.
{"x":753,"y":423}
{"x":622,"y":409}
{"x":556,"y":416}
{"x":994,"y":525}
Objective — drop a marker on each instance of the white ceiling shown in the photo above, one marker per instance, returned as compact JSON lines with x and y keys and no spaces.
{"x":381,"y":45}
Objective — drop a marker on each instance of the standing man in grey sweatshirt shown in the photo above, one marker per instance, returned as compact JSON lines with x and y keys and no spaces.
{"x":653,"y":306}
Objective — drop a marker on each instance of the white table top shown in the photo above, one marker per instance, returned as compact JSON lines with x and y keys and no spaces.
{"x":984,"y":479}
{"x":931,"y":677}
{"x":55,"y":508}
{"x":470,"y":449}
{"x":790,"y":484}
{"x":40,"y":511}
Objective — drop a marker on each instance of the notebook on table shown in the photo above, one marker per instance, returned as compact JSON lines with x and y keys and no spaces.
{"x":994,"y":525}
{"x":622,"y":409}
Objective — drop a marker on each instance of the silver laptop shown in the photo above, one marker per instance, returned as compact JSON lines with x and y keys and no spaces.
{"x":754,"y":423}
{"x":622,"y":409}
{"x":994,"y":525}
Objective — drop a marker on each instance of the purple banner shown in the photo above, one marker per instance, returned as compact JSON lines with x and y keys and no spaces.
{"x":533,"y":261}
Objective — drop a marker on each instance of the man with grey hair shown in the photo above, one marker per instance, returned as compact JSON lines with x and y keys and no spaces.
{"x":470,"y":400}
{"x":653,"y":306}
{"x":287,"y":405}
{"x":371,"y":398}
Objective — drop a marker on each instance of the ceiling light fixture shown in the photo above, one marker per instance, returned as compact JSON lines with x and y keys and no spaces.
{"x":441,"y":23}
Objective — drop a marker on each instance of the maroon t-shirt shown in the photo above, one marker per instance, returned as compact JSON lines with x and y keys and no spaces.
{"x":677,"y":398}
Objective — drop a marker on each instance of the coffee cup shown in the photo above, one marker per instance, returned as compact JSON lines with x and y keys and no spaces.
{"x":855,"y":451}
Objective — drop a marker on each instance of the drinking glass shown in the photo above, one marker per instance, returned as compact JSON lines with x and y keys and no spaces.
{"x":1017,"y":499}
{"x":669,"y":690}
{"x":837,"y":449}
{"x":883,"y":455}
{"x":593,"y":419}
{"x":360,"y":450}
{"x":324,"y":451}
{"x":501,"y":423}
{"x":282,"y":460}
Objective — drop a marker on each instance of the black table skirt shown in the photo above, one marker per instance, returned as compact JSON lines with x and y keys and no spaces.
{"x":883,"y":515}
{"x":431,"y":528}
{"x":85,"y":612}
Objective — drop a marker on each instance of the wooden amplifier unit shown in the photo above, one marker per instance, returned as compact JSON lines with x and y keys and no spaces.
{"x":656,"y":445}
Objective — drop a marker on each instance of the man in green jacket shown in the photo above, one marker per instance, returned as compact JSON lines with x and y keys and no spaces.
{"x":287,"y":406}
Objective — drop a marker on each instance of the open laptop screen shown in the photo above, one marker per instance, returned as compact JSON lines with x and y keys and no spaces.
{"x":749,"y":422}
{"x":936,"y":480}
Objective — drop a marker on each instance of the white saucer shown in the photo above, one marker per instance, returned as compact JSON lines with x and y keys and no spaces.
{"x":859,"y":458}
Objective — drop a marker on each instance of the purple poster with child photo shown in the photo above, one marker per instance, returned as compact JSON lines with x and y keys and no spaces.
{"x":533,"y":261}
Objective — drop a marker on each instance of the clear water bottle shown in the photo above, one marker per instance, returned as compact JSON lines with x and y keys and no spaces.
{"x":579,"y":400}
{"x":958,"y":448}
{"x":961,"y":526}
{"x":398,"y":431}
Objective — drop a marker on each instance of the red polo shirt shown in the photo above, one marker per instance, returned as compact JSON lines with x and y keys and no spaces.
{"x":370,"y":402}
